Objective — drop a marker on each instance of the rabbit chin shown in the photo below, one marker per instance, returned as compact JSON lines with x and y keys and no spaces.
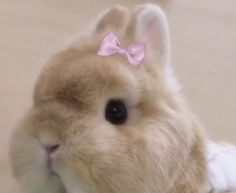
{"x":36,"y":176}
{"x":39,"y":177}
{"x":71,"y":186}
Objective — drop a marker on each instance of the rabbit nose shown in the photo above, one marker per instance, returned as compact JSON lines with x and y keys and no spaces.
{"x":50,"y":148}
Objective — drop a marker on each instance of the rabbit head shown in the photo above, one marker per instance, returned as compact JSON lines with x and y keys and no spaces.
{"x":100,"y":125}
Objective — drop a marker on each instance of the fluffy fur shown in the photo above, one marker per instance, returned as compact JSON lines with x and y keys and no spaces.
{"x":160,"y":149}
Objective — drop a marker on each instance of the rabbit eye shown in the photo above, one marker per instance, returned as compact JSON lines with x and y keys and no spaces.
{"x":116,"y":112}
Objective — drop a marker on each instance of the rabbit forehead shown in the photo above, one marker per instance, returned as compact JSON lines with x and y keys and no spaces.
{"x":85,"y":78}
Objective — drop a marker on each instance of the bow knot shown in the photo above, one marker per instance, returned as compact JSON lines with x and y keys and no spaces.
{"x":122,"y":51}
{"x":110,"y":45}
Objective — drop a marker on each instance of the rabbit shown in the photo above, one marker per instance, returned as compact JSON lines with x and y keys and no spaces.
{"x":100,"y":125}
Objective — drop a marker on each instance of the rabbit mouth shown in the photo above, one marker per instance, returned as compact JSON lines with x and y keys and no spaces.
{"x":50,"y":164}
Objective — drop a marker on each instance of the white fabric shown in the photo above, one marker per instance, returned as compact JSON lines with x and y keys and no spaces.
{"x":222,"y":167}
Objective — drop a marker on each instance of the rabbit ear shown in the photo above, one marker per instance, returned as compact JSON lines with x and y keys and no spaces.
{"x":152,"y":28}
{"x":114,"y":19}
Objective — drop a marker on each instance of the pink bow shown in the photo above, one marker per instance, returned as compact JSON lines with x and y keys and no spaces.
{"x":111,"y":45}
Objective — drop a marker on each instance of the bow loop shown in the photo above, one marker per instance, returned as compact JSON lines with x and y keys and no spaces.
{"x":110,"y":45}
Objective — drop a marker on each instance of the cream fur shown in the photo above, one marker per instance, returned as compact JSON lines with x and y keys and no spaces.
{"x":160,"y":149}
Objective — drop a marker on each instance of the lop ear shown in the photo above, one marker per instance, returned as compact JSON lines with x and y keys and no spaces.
{"x":115,"y":19}
{"x":152,"y":28}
